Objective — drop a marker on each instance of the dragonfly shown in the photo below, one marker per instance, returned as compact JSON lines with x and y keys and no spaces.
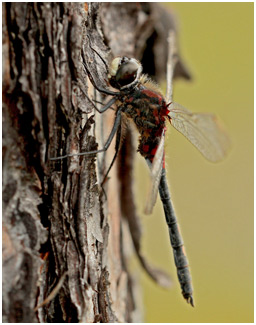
{"x":140,"y":100}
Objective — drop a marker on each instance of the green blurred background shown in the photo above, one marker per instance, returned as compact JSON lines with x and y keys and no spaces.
{"x":213,"y":202}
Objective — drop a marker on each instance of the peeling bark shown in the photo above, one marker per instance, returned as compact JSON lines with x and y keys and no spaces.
{"x":63,"y":257}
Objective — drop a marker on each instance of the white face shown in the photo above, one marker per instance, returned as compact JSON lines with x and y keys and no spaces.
{"x":114,"y":66}
{"x":124,"y":72}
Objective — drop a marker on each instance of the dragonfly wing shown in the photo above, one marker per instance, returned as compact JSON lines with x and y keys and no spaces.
{"x":203,"y":130}
{"x":156,"y":172}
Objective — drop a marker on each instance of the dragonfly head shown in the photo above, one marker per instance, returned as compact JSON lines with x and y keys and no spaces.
{"x":124,"y":73}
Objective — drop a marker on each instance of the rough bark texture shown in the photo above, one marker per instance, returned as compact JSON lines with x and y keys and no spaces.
{"x":63,"y":257}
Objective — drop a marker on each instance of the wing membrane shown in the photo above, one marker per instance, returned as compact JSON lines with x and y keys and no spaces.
{"x":203,"y":130}
{"x":156,"y":171}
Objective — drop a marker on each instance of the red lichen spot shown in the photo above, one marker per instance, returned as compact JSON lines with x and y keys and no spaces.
{"x":86,"y":7}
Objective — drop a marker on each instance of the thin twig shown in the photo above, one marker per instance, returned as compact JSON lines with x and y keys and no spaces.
{"x":171,"y":62}
{"x":53,"y":293}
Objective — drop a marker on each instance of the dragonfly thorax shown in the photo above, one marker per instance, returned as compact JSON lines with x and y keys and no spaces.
{"x":148,"y":110}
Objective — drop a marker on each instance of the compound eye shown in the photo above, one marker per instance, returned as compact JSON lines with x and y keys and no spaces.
{"x":127,"y":73}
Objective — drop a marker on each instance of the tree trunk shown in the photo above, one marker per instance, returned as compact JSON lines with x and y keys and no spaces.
{"x":63,"y":253}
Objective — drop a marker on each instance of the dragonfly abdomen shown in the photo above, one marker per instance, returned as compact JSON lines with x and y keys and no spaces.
{"x":177,"y":244}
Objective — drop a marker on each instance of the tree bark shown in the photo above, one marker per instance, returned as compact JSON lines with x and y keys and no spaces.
{"x":63,"y":252}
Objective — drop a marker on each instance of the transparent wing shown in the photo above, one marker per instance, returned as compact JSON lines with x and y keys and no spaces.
{"x":156,"y":171}
{"x":203,"y":130}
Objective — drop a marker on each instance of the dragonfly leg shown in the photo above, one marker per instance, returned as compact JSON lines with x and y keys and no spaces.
{"x":98,"y":102}
{"x":107,"y":144}
{"x":104,"y":108}
{"x":180,"y":257}
{"x":118,"y":138}
{"x":107,"y":106}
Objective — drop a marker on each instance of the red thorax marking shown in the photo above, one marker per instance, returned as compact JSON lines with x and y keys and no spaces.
{"x":145,"y":148}
{"x":150,"y":93}
{"x":129,"y":99}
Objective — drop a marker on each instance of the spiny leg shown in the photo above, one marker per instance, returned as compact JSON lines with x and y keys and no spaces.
{"x":117,"y":145}
{"x":105,"y":107}
{"x":101,"y":103}
{"x":107,"y":144}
